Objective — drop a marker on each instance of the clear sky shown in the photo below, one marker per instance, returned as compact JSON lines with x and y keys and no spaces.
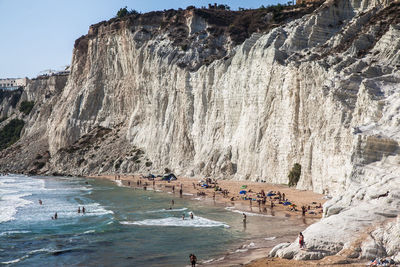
{"x":37,"y":35}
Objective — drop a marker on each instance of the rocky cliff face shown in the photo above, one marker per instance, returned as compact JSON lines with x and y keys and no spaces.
{"x":180,"y":90}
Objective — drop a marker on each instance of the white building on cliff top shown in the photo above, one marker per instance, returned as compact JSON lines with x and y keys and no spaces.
{"x":13,"y":83}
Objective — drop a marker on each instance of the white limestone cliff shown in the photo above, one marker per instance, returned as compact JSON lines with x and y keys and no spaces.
{"x":321,"y":91}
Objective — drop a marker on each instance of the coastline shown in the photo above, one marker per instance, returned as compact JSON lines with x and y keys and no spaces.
{"x":251,"y":252}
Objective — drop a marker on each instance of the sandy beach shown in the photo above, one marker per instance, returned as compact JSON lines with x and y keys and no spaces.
{"x":230,"y":197}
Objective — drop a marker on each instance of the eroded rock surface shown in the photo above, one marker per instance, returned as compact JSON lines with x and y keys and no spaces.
{"x":183,"y":91}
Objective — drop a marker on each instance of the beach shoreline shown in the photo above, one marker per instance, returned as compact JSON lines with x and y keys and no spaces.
{"x":249,"y":254}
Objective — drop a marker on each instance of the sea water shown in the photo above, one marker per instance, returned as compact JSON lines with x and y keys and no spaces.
{"x":121,"y":226}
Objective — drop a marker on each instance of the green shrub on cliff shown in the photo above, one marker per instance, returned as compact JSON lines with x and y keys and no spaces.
{"x":26,"y":107}
{"x":10,"y":133}
{"x":122,"y":12}
{"x":294,"y":175}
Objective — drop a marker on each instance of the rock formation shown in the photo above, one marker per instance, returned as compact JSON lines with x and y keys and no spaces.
{"x":195,"y":92}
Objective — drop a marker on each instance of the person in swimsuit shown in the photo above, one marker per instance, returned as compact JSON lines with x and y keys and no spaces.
{"x":193,"y":260}
{"x":191,"y":215}
{"x":301,"y":240}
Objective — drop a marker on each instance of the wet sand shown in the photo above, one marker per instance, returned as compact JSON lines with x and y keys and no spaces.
{"x":252,"y":252}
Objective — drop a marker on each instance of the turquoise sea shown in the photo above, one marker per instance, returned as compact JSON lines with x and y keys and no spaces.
{"x":121,"y":227}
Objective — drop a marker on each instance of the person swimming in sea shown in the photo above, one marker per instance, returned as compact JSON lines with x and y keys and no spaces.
{"x":83,"y":210}
{"x":183,"y":216}
{"x":191,"y":215}
{"x":244,"y":218}
{"x":79,"y":209}
{"x":40,"y":202}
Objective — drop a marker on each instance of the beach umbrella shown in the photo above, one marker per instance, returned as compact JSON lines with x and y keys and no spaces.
{"x":242,"y":192}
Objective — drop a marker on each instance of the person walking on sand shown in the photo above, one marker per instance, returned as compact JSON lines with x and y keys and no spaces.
{"x":193,"y":260}
{"x":301,"y":240}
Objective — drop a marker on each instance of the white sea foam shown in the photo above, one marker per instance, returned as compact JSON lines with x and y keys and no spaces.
{"x":16,"y":260}
{"x":247,"y":213}
{"x":240,"y":250}
{"x":13,"y":232}
{"x":119,"y":183}
{"x":187,"y":194}
{"x":270,"y":238}
{"x":89,"y":231}
{"x":174,"y":221}
{"x":9,"y":205}
{"x":165,"y":210}
{"x":14,"y":190}
{"x":208,"y":261}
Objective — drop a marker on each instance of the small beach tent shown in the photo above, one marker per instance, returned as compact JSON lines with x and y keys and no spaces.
{"x":243,"y":192}
{"x":287,"y":203}
{"x":169,"y":177}
{"x":243,"y":187}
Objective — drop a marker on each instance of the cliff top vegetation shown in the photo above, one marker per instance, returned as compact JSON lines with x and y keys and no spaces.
{"x":233,"y":27}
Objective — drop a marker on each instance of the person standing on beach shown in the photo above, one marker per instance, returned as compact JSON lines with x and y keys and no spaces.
{"x":173,"y":189}
{"x":193,"y":260}
{"x":301,"y":240}
{"x":244,"y":218}
{"x":172,"y":203}
{"x":180,"y":192}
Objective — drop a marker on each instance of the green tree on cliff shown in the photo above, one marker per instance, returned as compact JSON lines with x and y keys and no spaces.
{"x":122,"y":12}
{"x":294,"y":174}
